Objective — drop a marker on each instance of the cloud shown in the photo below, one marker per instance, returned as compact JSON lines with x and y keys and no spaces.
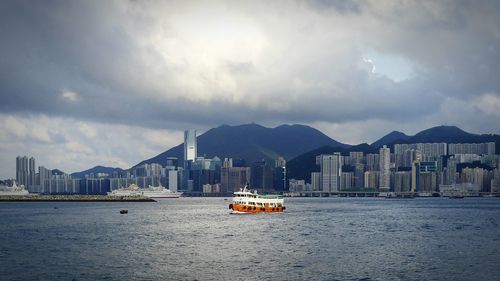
{"x":166,"y":66}
{"x":75,"y":146}
{"x":70,"y":97}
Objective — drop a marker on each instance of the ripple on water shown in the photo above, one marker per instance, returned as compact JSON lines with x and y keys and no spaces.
{"x":332,"y":239}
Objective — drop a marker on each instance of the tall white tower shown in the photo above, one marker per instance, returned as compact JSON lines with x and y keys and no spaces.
{"x":190,"y":145}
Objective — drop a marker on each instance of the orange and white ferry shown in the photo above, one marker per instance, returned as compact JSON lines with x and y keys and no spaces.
{"x":245,"y":202}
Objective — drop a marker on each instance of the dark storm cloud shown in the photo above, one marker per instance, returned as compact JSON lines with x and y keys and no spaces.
{"x":75,"y":76}
{"x":103,"y":52}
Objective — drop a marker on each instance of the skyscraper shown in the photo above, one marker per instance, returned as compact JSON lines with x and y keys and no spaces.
{"x":190,"y":145}
{"x":22,"y":170}
{"x":331,"y":169}
{"x":385,"y":172}
{"x":31,"y":173}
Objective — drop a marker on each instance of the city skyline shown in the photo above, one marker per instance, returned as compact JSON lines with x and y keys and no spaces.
{"x":89,"y":82}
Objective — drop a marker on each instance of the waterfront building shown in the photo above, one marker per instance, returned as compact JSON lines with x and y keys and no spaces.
{"x":424,"y":176}
{"x":427,"y":182}
{"x":44,"y":176}
{"x":330,"y":171}
{"x":359,"y":175}
{"x":384,"y":168}
{"x":211,"y":188}
{"x":495,"y":182}
{"x":477,"y":176}
{"x":461,"y":189}
{"x":261,"y":177}
{"x":372,"y":179}
{"x":94,"y":186}
{"x":402,"y":181}
{"x":234,"y":178}
{"x":346,"y":180}
{"x":173,"y":180}
{"x":22,"y":171}
{"x":316,"y":181}
{"x":31,"y":174}
{"x":451,"y":171}
{"x":297,"y":185}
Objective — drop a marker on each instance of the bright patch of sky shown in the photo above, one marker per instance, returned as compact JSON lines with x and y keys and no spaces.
{"x":392,"y":66}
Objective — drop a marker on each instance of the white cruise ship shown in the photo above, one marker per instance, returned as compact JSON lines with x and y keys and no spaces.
{"x":13,"y":190}
{"x":151,"y":192}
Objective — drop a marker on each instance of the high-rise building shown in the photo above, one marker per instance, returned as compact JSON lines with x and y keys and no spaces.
{"x":261,"y":176}
{"x":424,"y":176}
{"x":234,"y":178}
{"x":315,"y":181}
{"x":44,"y":175}
{"x":173,"y":180}
{"x":331,"y":169}
{"x":25,"y":172}
{"x":372,"y":162}
{"x":451,"y":171}
{"x":372,"y":179}
{"x":190,"y":146}
{"x":31,"y":173}
{"x":385,"y":168}
{"x":22,"y":170}
{"x":346,"y":180}
{"x":359,"y":172}
{"x":402,"y":181}
{"x":279,"y":175}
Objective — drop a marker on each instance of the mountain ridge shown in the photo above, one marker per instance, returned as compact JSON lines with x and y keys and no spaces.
{"x":254,"y":142}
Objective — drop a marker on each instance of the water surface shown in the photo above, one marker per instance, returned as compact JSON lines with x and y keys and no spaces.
{"x":196,"y":239}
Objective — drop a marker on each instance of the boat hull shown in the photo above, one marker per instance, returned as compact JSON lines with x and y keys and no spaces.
{"x":244,"y":209}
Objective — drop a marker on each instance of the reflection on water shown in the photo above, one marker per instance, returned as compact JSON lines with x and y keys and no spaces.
{"x":196,"y":238}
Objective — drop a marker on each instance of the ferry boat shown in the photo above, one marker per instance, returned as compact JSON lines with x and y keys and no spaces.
{"x":151,"y":192}
{"x":245,"y":202}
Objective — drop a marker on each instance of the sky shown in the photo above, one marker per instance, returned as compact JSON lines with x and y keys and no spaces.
{"x":85,"y":83}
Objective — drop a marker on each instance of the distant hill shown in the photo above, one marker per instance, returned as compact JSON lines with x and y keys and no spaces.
{"x":303,"y":165}
{"x":253,"y":142}
{"x":299,"y":145}
{"x":450,"y":134}
{"x":56,"y":172}
{"x":390,"y":138}
{"x":95,"y":170}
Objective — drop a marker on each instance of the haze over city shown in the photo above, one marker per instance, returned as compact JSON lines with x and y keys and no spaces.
{"x":84,"y":83}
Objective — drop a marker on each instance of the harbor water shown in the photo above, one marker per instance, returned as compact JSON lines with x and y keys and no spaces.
{"x":197,"y":239}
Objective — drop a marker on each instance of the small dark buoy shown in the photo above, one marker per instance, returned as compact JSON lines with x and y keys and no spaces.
{"x":55,"y":208}
{"x":123,"y":211}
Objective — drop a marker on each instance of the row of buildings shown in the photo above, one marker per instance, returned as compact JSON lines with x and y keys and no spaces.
{"x":194,"y":174}
{"x":419,"y":167}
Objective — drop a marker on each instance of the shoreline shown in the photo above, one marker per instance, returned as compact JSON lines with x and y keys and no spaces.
{"x":73,"y":198}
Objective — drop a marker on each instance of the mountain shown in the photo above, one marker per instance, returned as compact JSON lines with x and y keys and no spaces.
{"x":303,"y":165}
{"x":56,"y":172}
{"x":390,"y":138}
{"x":253,"y":142}
{"x":95,"y":170}
{"x":450,"y":134}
